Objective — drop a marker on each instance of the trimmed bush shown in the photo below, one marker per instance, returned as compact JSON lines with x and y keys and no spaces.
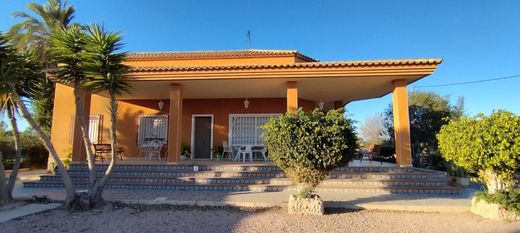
{"x":308,"y":146}
{"x":487,"y":146}
{"x":509,"y":200}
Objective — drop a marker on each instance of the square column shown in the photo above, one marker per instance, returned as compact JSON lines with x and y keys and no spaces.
{"x":292,"y":97}
{"x":175,"y":123}
{"x":79,"y":153}
{"x":403,"y":148}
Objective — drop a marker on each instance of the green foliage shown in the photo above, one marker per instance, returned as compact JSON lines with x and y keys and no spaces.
{"x":66,"y":47}
{"x":31,"y":36}
{"x":507,"y":199}
{"x":428,"y":112}
{"x":484,"y":145}
{"x":33,"y":32}
{"x":34,"y":154}
{"x":103,"y":61}
{"x":457,"y":171}
{"x":68,"y":157}
{"x":308,"y":146}
{"x":43,"y":103}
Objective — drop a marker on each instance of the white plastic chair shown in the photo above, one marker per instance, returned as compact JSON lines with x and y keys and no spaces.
{"x":227,"y":150}
{"x":245,"y":152}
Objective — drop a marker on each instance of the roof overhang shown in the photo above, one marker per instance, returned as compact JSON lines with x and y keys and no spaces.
{"x":327,"y":81}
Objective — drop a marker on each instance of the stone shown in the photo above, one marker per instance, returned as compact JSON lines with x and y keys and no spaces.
{"x":305,"y":206}
{"x":492,"y":210}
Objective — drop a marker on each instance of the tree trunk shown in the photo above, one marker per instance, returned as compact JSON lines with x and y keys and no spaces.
{"x":4,"y":196}
{"x":493,"y":182}
{"x":86,"y":139}
{"x":100,"y":185}
{"x":18,"y":158}
{"x":67,"y":181}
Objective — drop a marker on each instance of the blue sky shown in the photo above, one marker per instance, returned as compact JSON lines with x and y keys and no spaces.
{"x":476,"y":39}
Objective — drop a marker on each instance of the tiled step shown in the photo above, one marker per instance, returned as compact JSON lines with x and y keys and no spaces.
{"x":236,"y":177}
{"x":251,"y":187}
{"x":234,"y":167}
{"x":255,"y":174}
{"x":275,"y":181}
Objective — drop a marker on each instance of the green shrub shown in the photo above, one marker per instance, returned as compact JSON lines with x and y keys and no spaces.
{"x":487,"y":146}
{"x":308,"y":146}
{"x":509,"y":200}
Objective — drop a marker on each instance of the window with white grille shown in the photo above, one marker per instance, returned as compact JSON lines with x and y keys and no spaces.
{"x":244,"y":129}
{"x":93,"y":128}
{"x":152,"y":127}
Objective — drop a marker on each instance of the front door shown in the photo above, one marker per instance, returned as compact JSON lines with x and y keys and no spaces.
{"x":202,"y":131}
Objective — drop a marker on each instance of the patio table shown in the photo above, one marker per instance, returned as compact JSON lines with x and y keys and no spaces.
{"x":254,"y":149}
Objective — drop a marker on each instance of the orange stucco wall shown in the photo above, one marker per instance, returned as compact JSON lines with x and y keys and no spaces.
{"x":129,"y":111}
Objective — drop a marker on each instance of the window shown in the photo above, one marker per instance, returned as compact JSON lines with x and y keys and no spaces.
{"x":93,"y":129}
{"x":152,"y":127}
{"x":244,"y":129}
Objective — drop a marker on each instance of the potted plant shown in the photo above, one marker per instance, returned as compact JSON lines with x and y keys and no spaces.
{"x":307,"y":146}
{"x":487,"y":146}
{"x":185,"y":152}
{"x":218,"y":152}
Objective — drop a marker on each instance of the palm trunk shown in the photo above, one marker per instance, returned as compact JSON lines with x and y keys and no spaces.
{"x":98,"y":198}
{"x":67,"y":181}
{"x":80,"y":113}
{"x":4,"y":196}
{"x":18,"y":158}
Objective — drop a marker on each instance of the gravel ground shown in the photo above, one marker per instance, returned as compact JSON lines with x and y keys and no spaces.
{"x":114,"y":218}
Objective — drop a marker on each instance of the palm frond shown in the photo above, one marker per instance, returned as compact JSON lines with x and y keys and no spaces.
{"x":104,"y":61}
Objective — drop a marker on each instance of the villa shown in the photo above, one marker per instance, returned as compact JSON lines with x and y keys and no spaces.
{"x":202,"y":99}
{"x":207,"y":100}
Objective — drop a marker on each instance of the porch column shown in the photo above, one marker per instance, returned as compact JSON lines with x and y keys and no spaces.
{"x":175,"y":123}
{"x":403,"y":149}
{"x":292,"y":97}
{"x":79,"y":153}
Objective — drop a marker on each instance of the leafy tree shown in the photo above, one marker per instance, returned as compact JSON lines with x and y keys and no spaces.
{"x":373,"y":131}
{"x":17,"y":80}
{"x":428,"y":113}
{"x":32,"y":35}
{"x":308,"y":146}
{"x":488,"y":146}
{"x":103,"y":63}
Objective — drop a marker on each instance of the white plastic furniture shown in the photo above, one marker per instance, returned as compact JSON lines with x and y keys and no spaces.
{"x":227,"y":150}
{"x":152,"y":150}
{"x":243,"y":151}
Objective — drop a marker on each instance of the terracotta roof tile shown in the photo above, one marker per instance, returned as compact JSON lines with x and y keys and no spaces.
{"x":219,"y":53}
{"x":427,"y":61}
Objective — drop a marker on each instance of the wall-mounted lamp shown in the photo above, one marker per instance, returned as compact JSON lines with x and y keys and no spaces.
{"x":246,"y":103}
{"x":321,"y":104}
{"x":160,"y":104}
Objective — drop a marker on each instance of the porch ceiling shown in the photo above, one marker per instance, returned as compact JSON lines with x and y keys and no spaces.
{"x":344,"y":89}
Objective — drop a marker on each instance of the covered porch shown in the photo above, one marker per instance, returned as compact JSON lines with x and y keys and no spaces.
{"x":202,"y":107}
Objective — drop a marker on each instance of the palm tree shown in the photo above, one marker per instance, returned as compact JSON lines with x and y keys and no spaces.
{"x":104,"y":64}
{"x":31,"y":35}
{"x":17,"y":80}
{"x":66,"y":48}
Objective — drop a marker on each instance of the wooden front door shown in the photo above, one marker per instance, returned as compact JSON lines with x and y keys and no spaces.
{"x":202,"y":137}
